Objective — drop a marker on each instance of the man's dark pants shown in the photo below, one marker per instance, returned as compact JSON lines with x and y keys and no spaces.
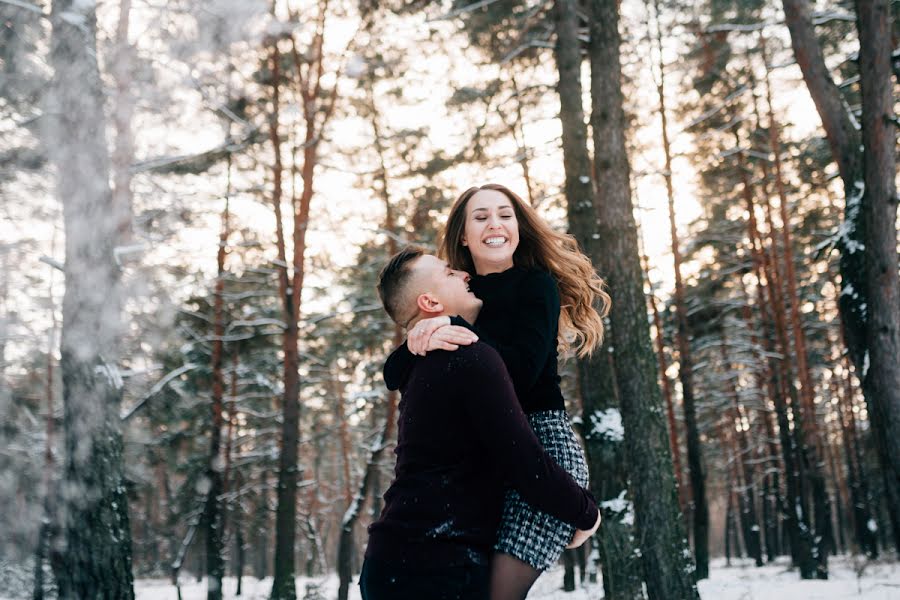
{"x":386,"y":581}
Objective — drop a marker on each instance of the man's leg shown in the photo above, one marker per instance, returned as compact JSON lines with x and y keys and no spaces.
{"x":385,"y":581}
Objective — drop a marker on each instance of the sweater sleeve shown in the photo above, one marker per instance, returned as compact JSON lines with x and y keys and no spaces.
{"x":401,"y":360}
{"x":500,"y":425}
{"x":397,"y":367}
{"x":536,"y":317}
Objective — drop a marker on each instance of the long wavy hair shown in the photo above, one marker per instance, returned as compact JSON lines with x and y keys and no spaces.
{"x":583,"y":298}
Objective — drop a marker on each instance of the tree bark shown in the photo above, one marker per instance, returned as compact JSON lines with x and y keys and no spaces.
{"x":743,"y":474}
{"x":213,"y":517}
{"x":864,"y":254}
{"x":793,"y":507}
{"x":345,"y":542}
{"x":881,"y":367}
{"x":667,"y":390}
{"x":93,"y":557}
{"x":317,"y":108}
{"x":699,"y":506}
{"x":620,"y":564}
{"x":667,"y":567}
{"x":283,"y":587}
{"x":371,"y":475}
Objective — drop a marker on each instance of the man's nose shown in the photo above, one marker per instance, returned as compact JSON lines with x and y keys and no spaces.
{"x":465,"y":276}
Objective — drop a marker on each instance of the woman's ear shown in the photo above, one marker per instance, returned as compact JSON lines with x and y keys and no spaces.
{"x":464,"y":241}
{"x":429,"y":304}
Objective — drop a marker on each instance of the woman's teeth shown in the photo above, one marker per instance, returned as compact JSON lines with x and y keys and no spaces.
{"x":495,"y":241}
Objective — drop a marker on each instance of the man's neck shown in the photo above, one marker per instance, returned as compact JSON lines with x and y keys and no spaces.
{"x":469,"y":318}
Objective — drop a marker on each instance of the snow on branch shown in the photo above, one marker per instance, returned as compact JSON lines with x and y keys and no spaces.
{"x":199,"y":163}
{"x":462,"y":10}
{"x":523,"y":47}
{"x":158,"y":388}
{"x":51,"y":261}
{"x":712,"y":111}
{"x":818,"y":18}
{"x":26,"y":5}
{"x":257,"y":322}
{"x":361,"y":309}
{"x":739,"y":27}
{"x":821,"y":18}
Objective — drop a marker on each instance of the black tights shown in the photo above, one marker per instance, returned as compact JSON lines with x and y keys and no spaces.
{"x":511,"y":578}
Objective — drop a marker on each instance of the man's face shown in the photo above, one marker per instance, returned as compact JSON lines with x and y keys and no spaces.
{"x":448,"y":286}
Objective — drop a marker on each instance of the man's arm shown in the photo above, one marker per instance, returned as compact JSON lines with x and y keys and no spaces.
{"x":490,"y":402}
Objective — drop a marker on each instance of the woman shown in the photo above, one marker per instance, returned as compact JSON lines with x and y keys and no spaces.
{"x":539,"y":292}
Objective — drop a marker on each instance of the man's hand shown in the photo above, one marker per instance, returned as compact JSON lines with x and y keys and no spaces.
{"x":437,"y":333}
{"x":582,"y":536}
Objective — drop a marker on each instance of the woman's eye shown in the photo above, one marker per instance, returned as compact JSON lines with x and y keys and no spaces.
{"x":481,"y":218}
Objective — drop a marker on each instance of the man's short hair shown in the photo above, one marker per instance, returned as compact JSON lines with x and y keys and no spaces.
{"x":393,"y":284}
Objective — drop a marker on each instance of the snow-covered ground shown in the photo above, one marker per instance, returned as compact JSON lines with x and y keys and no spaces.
{"x":850,"y":578}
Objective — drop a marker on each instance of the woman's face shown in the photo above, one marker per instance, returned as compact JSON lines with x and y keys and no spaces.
{"x":492,"y":232}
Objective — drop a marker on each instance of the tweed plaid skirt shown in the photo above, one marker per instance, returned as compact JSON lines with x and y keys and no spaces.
{"x":532,"y":536}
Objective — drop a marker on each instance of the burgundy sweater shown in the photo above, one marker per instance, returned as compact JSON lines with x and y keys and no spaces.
{"x":462,"y":438}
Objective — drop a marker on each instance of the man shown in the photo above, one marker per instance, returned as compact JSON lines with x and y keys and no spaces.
{"x":461,"y":438}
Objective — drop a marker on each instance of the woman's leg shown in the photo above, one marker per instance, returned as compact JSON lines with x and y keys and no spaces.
{"x":511,"y":578}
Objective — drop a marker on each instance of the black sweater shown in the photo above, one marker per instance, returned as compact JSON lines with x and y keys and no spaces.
{"x":461,"y":438}
{"x":520,"y":319}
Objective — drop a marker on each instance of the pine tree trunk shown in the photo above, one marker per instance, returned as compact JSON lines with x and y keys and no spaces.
{"x":516,"y":128}
{"x":743,"y":475}
{"x":122,"y":68}
{"x":667,"y":390}
{"x":213,"y":517}
{"x":345,"y":542}
{"x":728,"y":535}
{"x":620,"y":564}
{"x":699,"y":506}
{"x":241,"y":556}
{"x":793,"y":508}
{"x":814,"y":443}
{"x":863,"y":513}
{"x":667,"y":567}
{"x":316,"y":113}
{"x":260,"y":530}
{"x":771,"y":496}
{"x":93,"y":557}
{"x":856,"y":241}
{"x":806,"y":427}
{"x":881,"y":367}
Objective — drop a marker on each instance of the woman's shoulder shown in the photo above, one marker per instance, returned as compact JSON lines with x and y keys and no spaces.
{"x":537,"y":278}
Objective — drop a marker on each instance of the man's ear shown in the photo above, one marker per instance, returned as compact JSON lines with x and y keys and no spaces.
{"x":428,"y":304}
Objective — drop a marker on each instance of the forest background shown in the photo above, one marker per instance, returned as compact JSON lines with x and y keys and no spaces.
{"x":197,"y":197}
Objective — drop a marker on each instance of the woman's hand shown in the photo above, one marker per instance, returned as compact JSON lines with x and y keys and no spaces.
{"x":582,"y":536}
{"x":437,"y":333}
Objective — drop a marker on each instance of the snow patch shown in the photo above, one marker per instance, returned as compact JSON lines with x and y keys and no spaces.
{"x":621,"y":506}
{"x":607,"y":424}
